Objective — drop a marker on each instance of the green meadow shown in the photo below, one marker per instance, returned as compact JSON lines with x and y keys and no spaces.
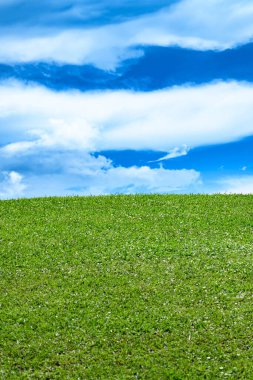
{"x":127,"y":287}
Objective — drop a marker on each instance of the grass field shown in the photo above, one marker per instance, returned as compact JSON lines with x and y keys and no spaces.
{"x":127,"y":287}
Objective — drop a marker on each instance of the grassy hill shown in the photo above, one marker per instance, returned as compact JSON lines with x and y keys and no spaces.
{"x":127,"y":287}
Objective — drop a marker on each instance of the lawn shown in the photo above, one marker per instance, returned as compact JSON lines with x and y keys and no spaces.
{"x":127,"y":287}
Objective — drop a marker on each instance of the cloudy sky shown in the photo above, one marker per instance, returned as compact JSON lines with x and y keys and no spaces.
{"x":102,"y":97}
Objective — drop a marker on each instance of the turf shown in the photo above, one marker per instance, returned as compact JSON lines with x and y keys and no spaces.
{"x":127,"y":287}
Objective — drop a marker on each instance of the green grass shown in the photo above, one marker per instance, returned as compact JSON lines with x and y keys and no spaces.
{"x":127,"y":287}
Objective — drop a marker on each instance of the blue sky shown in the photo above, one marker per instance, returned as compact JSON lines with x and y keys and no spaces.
{"x":148,"y":96}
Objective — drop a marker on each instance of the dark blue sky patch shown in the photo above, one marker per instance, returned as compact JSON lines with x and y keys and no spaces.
{"x":158,"y":68}
{"x":128,"y":158}
{"x":223,"y":158}
{"x":73,"y":13}
{"x":163,"y":67}
{"x":60,"y":77}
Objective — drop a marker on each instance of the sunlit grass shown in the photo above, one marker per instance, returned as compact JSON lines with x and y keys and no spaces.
{"x":127,"y":287}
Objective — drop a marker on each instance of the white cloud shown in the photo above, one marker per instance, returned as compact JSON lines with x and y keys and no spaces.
{"x":141,"y":180}
{"x":175,"y":152}
{"x":53,"y":134}
{"x":50,"y":172}
{"x":237,"y":185}
{"x":160,"y":120}
{"x":112,"y":181}
{"x":198,"y":24}
{"x":11,"y":185}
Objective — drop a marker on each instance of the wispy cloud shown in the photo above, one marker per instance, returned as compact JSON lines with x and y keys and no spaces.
{"x":175,"y":152}
{"x":213,"y":24}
